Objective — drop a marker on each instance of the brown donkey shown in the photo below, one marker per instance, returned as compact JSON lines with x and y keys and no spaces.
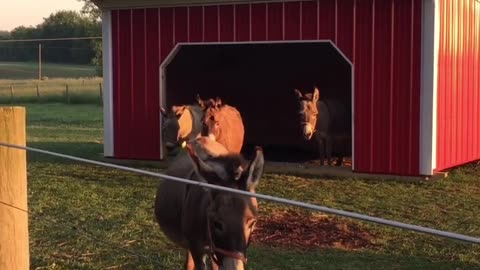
{"x":224,"y":124}
{"x":208,"y":222}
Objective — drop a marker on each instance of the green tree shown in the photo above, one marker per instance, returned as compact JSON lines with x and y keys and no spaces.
{"x":58,"y":25}
{"x":90,"y":10}
{"x":4,"y":34}
{"x":21,"y":51}
{"x":69,"y":24}
{"x":23,"y":32}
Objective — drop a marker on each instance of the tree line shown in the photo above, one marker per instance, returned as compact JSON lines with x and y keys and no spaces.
{"x":85,"y":23}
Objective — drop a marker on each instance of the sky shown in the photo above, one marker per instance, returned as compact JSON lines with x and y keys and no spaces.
{"x":15,"y":13}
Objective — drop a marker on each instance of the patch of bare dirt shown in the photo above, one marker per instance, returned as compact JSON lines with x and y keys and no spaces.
{"x":291,"y":229}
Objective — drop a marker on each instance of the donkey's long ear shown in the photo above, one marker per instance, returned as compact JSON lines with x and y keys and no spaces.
{"x":210,"y":103}
{"x":218,"y":102}
{"x":201,"y":102}
{"x":178,"y":110}
{"x":255,"y":169}
{"x":163,"y":112}
{"x":316,"y":95}
{"x":298,"y":93}
{"x":202,"y":169}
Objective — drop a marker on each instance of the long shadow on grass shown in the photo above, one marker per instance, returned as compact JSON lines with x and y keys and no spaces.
{"x":88,"y":150}
{"x":262,"y":257}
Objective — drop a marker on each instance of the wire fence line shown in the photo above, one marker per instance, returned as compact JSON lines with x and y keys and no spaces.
{"x":83,"y":232}
{"x":48,"y":39}
{"x":68,"y":92}
{"x":324,"y":209}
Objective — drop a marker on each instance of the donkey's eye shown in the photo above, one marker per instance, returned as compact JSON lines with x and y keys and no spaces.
{"x":218,"y":226}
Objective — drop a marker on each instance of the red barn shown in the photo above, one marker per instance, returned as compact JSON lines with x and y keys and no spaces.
{"x":411,"y":68}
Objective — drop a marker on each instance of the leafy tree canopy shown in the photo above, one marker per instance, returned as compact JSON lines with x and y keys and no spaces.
{"x":58,"y":25}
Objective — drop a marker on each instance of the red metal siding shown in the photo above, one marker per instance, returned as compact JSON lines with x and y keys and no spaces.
{"x":381,"y":38}
{"x":387,"y":86}
{"x":458,"y":123}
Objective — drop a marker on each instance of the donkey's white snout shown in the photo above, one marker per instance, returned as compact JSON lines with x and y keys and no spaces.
{"x":307,"y":131}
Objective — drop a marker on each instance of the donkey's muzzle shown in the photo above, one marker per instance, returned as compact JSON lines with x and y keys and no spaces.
{"x":171,"y":146}
{"x":230,"y":263}
{"x":307,"y":131}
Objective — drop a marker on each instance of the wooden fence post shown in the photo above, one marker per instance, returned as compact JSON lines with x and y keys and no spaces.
{"x":14,"y":249}
{"x":67,"y":96}
{"x":100,"y":88}
{"x":11,"y":93}
{"x":38,"y":93}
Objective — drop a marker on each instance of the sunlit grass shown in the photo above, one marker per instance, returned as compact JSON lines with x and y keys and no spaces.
{"x":117,"y":207}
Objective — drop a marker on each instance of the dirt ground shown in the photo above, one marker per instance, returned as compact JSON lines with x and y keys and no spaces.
{"x":291,"y":229}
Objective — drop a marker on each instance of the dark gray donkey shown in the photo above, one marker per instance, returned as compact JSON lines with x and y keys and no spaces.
{"x":329,"y":122}
{"x":205,"y":222}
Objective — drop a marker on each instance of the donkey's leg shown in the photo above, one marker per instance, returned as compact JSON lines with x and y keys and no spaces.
{"x":189,"y":264}
{"x":339,"y":161}
{"x":198,"y":259}
{"x":214,"y":265}
{"x":320,"y":148}
{"x":328,"y":146}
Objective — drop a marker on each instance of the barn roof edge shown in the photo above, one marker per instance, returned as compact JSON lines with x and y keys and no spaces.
{"x":125,"y":4}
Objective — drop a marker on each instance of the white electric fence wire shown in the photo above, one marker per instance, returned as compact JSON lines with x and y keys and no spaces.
{"x":324,"y":209}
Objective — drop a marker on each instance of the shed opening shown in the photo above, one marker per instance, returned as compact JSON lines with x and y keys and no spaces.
{"x":259,"y":80}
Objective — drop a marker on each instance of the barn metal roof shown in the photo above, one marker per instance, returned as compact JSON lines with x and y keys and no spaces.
{"x":110,"y":4}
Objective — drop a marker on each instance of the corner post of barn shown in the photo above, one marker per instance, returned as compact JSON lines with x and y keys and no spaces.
{"x":14,"y":246}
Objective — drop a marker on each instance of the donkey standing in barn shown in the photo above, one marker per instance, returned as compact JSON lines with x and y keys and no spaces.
{"x":224,"y":124}
{"x":209,"y":222}
{"x":329,"y":121}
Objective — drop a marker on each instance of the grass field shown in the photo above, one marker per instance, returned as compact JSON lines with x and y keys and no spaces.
{"x":68,"y":199}
{"x":82,"y":90}
{"x":29,"y":70}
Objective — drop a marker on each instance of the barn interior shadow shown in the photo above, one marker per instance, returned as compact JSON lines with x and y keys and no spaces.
{"x":259,"y":80}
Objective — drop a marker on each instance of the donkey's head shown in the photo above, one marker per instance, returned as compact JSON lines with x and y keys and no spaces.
{"x":308,"y":112}
{"x":212,"y":121}
{"x":230,"y":217}
{"x":177,"y":125}
{"x":170,"y":129}
{"x":206,"y":103}
{"x":185,"y":121}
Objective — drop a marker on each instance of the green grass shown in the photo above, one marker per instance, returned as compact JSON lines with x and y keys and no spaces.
{"x":29,"y":70}
{"x":118,"y":207}
{"x":84,"y":90}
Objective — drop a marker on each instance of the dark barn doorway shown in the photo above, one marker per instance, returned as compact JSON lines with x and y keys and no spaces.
{"x":259,"y":80}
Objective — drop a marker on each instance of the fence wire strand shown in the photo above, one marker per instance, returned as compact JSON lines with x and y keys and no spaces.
{"x":324,"y":209}
{"x":48,"y":39}
{"x":83,"y":232}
